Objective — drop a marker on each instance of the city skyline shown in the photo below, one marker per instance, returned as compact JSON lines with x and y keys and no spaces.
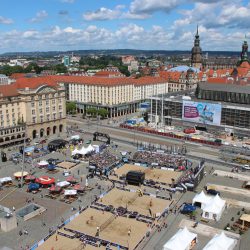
{"x":46,"y":25}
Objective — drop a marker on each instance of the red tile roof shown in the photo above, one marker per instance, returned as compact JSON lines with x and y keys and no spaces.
{"x":17,"y":75}
{"x":105,"y":73}
{"x":105,"y":81}
{"x":219,"y":80}
{"x":8,"y":91}
{"x":34,"y":82}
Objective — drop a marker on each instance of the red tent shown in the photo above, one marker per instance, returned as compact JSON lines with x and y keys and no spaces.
{"x":45,"y":180}
{"x":55,"y":189}
{"x":30,"y":178}
{"x":71,"y":179}
{"x":79,"y":188}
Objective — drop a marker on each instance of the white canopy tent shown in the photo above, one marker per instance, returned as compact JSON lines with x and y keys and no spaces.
{"x":90,"y":148}
{"x":5,"y":179}
{"x":62,"y":184}
{"x":70,"y":192}
{"x":182,"y":240}
{"x":82,"y":151}
{"x":75,"y":152}
{"x":221,"y":241}
{"x":201,"y":199}
{"x":214,"y":209}
{"x":43,"y":163}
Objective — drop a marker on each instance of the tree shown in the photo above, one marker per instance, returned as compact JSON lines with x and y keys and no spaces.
{"x":60,"y":68}
{"x":70,"y":107}
{"x":103,"y":113}
{"x":92,"y":111}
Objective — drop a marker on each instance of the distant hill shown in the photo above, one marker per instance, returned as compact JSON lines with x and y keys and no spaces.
{"x":148,"y":53}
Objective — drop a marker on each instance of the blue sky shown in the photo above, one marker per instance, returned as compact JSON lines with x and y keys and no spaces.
{"x":42,"y":25}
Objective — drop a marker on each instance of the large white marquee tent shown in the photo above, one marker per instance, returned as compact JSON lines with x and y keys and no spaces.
{"x":214,"y":208}
{"x":182,"y":240}
{"x":221,"y":241}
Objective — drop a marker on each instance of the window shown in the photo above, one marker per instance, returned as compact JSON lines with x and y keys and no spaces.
{"x":60,"y":106}
{"x":54,"y":116}
{"x":33,"y":112}
{"x":54,"y":108}
{"x":41,"y":118}
{"x":47,"y":110}
{"x":32,"y":104}
{"x":40,"y":103}
{"x":53,"y":101}
{"x":48,"y":117}
{"x":34,"y":119}
{"x":60,"y":115}
{"x":47,"y":102}
{"x":40,"y":111}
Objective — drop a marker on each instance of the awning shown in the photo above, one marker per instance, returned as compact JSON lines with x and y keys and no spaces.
{"x":71,"y":179}
{"x":5,"y":179}
{"x":33,"y":186}
{"x":19,"y":174}
{"x":30,"y":177}
{"x":70,"y":192}
{"x":56,"y":189}
{"x":43,"y":163}
{"x":45,"y":180}
{"x":63,"y":184}
{"x":245,"y":217}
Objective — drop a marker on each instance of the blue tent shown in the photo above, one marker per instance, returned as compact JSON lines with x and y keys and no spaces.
{"x":188,"y":208}
{"x":51,"y":167}
{"x":33,"y":186}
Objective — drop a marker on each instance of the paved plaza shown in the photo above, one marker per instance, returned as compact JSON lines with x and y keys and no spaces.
{"x":116,"y":229}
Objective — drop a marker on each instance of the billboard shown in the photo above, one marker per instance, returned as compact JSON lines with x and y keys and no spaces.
{"x":201,"y":112}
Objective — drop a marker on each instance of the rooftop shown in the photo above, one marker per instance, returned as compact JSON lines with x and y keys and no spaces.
{"x":225,"y":87}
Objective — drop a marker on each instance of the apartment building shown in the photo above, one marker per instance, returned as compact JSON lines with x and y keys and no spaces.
{"x":35,"y":106}
{"x":118,"y":95}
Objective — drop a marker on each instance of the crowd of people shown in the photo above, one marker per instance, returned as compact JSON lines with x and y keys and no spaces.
{"x":160,"y":159}
{"x":103,"y":160}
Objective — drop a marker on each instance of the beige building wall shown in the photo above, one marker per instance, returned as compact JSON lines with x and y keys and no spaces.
{"x":113,"y":95}
{"x":43,"y":110}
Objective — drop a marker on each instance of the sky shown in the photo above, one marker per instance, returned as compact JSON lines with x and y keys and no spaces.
{"x":58,"y":25}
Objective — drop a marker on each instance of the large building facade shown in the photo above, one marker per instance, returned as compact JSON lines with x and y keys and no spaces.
{"x":31,"y":108}
{"x":119,"y":96}
{"x":232,"y":102}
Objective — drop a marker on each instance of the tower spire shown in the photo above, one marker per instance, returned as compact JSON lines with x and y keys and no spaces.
{"x":197,"y":32}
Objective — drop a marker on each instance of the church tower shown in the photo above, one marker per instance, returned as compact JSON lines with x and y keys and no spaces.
{"x":196,"y":57}
{"x":244,"y":56}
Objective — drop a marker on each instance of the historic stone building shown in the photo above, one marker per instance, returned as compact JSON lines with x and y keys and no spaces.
{"x":33,"y":107}
{"x":196,"y":56}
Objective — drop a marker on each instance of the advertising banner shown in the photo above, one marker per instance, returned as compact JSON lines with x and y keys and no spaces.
{"x":201,"y":112}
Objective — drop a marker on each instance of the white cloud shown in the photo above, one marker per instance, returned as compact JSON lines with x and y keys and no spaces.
{"x":127,"y":36}
{"x":150,"y":6}
{"x":40,"y":16}
{"x":103,"y":14}
{"x":220,"y":14}
{"x":4,"y":20}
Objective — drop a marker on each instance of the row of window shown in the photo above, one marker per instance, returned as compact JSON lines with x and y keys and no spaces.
{"x":48,"y":117}
{"x":46,"y":96}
